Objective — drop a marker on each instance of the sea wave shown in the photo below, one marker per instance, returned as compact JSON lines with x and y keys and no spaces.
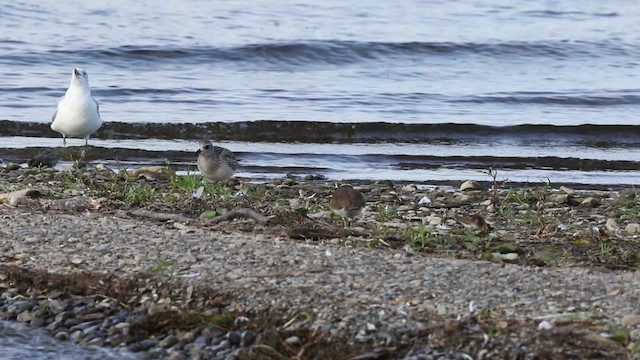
{"x":331,"y":52}
{"x":630,"y":97}
{"x":600,"y":136}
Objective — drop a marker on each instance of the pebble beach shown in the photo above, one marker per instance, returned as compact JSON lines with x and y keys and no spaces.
{"x":95,"y":270}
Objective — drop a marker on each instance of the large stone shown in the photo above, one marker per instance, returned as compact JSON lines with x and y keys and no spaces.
{"x":590,"y":202}
{"x":611,"y":225}
{"x":25,"y":316}
{"x":11,"y":166}
{"x":559,"y":198}
{"x":566,"y":190}
{"x":168,"y":342}
{"x":630,"y":320}
{"x":632,"y":228}
{"x":432,"y":220}
{"x":470,"y":185}
{"x":410,"y":188}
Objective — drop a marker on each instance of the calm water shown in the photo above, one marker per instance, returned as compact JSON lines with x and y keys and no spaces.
{"x":407,"y":90}
{"x":19,"y":342}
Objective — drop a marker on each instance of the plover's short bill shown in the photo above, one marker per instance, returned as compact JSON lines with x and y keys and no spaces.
{"x":215,"y":162}
{"x":78,"y":113}
{"x":475,"y":221}
{"x":347,"y":201}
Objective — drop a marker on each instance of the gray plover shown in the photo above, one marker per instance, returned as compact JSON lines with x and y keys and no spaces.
{"x":78,"y":113}
{"x":347,"y":201}
{"x":215,"y":162}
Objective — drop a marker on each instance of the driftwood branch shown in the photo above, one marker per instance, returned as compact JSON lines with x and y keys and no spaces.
{"x":302,"y":233}
{"x":20,"y":196}
{"x":239,"y":213}
{"x":159,"y":216}
{"x":80,"y":203}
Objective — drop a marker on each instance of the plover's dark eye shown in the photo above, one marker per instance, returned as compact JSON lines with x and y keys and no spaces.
{"x":207,"y":147}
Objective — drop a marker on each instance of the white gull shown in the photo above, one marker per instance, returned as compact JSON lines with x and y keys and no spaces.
{"x":78,"y":113}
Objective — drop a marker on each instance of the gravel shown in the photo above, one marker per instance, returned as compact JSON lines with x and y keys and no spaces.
{"x":359,"y":294}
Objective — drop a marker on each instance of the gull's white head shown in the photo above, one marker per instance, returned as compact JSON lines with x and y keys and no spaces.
{"x":80,"y":76}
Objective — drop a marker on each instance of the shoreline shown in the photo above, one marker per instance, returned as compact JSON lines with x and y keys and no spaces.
{"x":249,"y":290}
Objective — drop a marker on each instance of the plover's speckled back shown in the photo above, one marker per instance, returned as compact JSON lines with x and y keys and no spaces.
{"x":347,"y":201}
{"x":215,"y":162}
{"x":78,"y":113}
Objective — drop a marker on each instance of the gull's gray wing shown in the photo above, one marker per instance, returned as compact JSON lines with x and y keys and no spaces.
{"x":97,"y":105}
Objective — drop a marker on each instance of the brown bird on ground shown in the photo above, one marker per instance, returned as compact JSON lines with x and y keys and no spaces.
{"x":347,"y":201}
{"x":475,"y":221}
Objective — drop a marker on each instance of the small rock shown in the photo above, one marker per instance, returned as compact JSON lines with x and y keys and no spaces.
{"x":143,"y":345}
{"x":92,"y":316}
{"x":97,"y":341}
{"x":25,"y":316}
{"x":567,"y":190}
{"x":37,"y":322}
{"x":410,"y":188}
{"x":630,"y":320}
{"x":53,"y":326}
{"x":55,"y":294}
{"x":102,"y":167}
{"x":598,"y":341}
{"x":545,"y":325}
{"x":470,"y":185}
{"x":19,"y":307}
{"x":315,"y":177}
{"x":611,"y":225}
{"x":247,"y":338}
{"x":168,"y":341}
{"x":62,"y":335}
{"x":403,"y":208}
{"x":234,"y":338}
{"x":213,"y":332}
{"x":432,"y":220}
{"x":505,"y":257}
{"x":56,"y":306}
{"x":46,"y":158}
{"x":102,"y":247}
{"x":176,"y":355}
{"x":11,"y":166}
{"x":76,"y":336}
{"x":462,"y":198}
{"x":387,"y":183}
{"x":118,"y":339}
{"x":632,"y":228}
{"x":224,"y":345}
{"x":590,"y":202}
{"x":292,"y":340}
{"x":192,"y":349}
{"x":156,"y":353}
{"x":559,"y":198}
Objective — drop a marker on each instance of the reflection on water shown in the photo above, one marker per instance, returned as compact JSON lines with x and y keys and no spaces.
{"x":19,"y":342}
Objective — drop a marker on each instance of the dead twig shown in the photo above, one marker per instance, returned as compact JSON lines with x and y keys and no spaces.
{"x":159,"y":216}
{"x":302,"y":233}
{"x":80,"y":203}
{"x":239,"y":213}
